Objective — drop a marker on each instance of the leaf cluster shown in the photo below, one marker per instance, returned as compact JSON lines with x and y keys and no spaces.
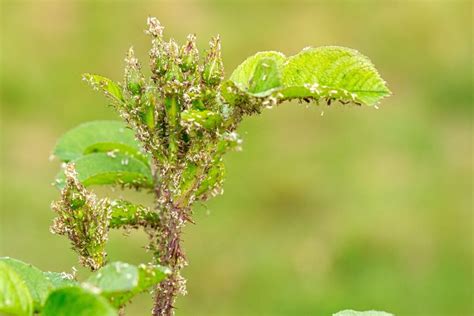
{"x":24,"y":289}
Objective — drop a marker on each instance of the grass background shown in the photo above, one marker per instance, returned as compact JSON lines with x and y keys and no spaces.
{"x":358,"y":208}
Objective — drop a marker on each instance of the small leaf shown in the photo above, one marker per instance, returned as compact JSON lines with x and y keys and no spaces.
{"x":244,"y":73}
{"x":15,"y":298}
{"x":38,"y":284}
{"x":333,"y":72}
{"x":355,"y":313}
{"x":213,"y":180}
{"x":149,"y":276}
{"x":98,"y":136}
{"x":60,"y":279}
{"x":125,"y":213}
{"x":107,"y":86}
{"x":119,"y":281}
{"x":77,"y":301}
{"x":110,"y":168}
{"x":206,"y":119}
{"x":115,"y":277}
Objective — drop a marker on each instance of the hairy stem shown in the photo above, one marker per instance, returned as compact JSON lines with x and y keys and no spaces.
{"x":167,"y":244}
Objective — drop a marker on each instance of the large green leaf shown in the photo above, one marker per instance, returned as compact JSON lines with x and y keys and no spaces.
{"x":335,"y":72}
{"x":15,"y":298}
{"x":110,"y":168}
{"x":98,"y":136}
{"x":328,"y":73}
{"x":355,"y":313}
{"x":119,"y":281}
{"x":77,"y":301}
{"x":37,"y":283}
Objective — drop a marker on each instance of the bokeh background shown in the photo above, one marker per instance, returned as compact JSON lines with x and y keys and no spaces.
{"x":359,"y":208}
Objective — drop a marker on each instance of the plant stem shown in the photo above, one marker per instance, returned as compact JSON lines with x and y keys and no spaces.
{"x":169,"y":252}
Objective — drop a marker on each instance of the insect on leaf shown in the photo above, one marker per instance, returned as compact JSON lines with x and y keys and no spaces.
{"x":60,"y":279}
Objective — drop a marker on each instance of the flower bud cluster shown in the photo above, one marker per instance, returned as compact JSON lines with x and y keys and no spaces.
{"x":84,"y":219}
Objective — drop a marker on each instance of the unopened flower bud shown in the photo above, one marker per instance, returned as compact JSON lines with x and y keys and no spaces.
{"x":213,"y":71}
{"x":189,"y":54}
{"x":173,"y":71}
{"x":133,"y":75}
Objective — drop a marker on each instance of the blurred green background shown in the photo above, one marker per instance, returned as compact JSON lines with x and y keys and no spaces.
{"x":359,"y":208}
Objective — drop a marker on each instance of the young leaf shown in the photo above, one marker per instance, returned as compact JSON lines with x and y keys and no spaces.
{"x":15,"y":298}
{"x":119,"y":281}
{"x":98,"y":136}
{"x":148,"y":276}
{"x":213,"y":180}
{"x":335,"y":73}
{"x":107,"y":86}
{"x":355,"y":313}
{"x":38,"y":285}
{"x":125,"y":213}
{"x":206,"y":119}
{"x":110,"y":168}
{"x":77,"y":301}
{"x":244,"y":73}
